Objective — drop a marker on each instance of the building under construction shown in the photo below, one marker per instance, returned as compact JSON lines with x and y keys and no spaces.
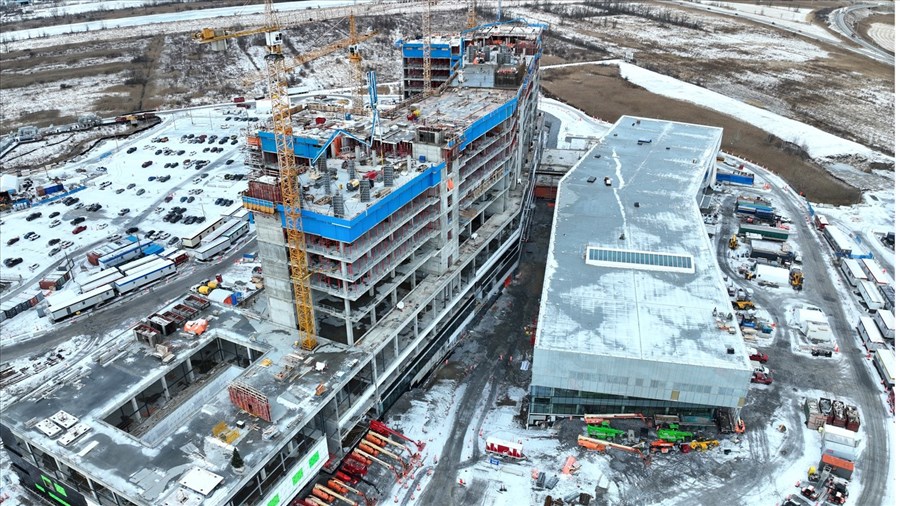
{"x":412,"y":221}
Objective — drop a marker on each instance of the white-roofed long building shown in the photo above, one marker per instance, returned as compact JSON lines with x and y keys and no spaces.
{"x":627,"y":316}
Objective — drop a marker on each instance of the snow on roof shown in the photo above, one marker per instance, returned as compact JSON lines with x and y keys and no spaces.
{"x":654,"y":313}
{"x":148,"y":472}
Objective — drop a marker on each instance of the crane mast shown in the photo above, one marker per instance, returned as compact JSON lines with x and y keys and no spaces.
{"x":426,"y":49}
{"x":288,"y":172}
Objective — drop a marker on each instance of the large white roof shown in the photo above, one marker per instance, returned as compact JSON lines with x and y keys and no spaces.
{"x":642,"y":300}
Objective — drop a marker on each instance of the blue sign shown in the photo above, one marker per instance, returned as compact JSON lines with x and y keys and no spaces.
{"x":495,"y":462}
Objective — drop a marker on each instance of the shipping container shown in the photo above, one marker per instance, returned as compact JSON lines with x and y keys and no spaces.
{"x":870,"y":296}
{"x":870,"y":334}
{"x":876,"y":273}
{"x":853,"y":271}
{"x":771,"y":233}
{"x":735,"y":177}
{"x":151,"y":273}
{"x":770,"y":250}
{"x":884,"y":320}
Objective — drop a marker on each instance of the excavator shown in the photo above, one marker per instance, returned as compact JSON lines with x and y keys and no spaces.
{"x":704,"y":444}
{"x":797,"y":279}
{"x":733,"y":242}
{"x":601,"y":446}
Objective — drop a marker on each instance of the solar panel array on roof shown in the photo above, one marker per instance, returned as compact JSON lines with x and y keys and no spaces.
{"x":607,"y":257}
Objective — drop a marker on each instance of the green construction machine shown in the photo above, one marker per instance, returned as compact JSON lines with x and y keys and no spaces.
{"x":603,"y":431}
{"x":673,"y":434}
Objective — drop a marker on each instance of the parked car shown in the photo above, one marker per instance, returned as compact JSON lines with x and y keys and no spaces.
{"x":77,"y":220}
{"x":147,"y":164}
{"x":53,"y":242}
{"x":125,"y":211}
{"x":190,"y":199}
{"x":55,"y":251}
{"x":12,"y":262}
{"x":55,"y":223}
{"x":102,"y":226}
{"x":132,"y":149}
{"x":130,"y":186}
{"x":173,"y":241}
{"x":153,"y":178}
{"x":28,"y":235}
{"x":168,"y":198}
{"x":132,"y":230}
{"x":34,"y":237}
{"x":141,"y":191}
{"x":120,"y":190}
{"x":79,"y":229}
{"x":54,"y":214}
{"x":66,"y":244}
{"x":33,"y":216}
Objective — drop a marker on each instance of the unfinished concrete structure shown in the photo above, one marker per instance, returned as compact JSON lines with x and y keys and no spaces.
{"x":635,"y":315}
{"x":412,"y":224}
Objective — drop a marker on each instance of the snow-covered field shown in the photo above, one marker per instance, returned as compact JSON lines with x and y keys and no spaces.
{"x":883,"y":35}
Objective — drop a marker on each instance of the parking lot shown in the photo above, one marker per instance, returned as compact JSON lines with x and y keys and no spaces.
{"x":165,"y":180}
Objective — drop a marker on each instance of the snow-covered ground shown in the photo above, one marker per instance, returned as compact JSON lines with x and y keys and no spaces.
{"x":795,"y":18}
{"x":883,"y":35}
{"x":577,"y":129}
{"x":819,"y":144}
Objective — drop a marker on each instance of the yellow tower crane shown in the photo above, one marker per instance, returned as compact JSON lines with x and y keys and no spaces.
{"x":471,"y":18}
{"x":426,"y":49}
{"x":356,"y":67}
{"x":287,"y":171}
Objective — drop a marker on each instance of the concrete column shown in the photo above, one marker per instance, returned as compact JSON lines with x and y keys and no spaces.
{"x":372,"y":319}
{"x":190,"y":367}
{"x":332,"y":429}
{"x":137,"y":411}
{"x":416,"y":326}
{"x":413,"y":279}
{"x":348,"y":323}
{"x":165,"y":386}
{"x":394,"y":297}
{"x":396,"y":347}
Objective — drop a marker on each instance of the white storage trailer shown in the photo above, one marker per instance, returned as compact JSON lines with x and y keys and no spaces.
{"x":853,"y":271}
{"x":778,"y":275}
{"x":870,"y":296}
{"x":99,"y":279}
{"x":209,"y":251}
{"x":132,"y":266}
{"x":869,"y":333}
{"x":884,"y":364}
{"x":87,"y":300}
{"x":193,"y":240}
{"x":151,"y":272}
{"x":875,"y":273}
{"x":123,"y":254}
{"x":884,"y":319}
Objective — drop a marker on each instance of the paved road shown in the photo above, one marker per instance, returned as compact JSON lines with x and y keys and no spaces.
{"x":128,"y":311}
{"x":805,"y":372}
{"x":839,"y":17}
{"x":867,"y":49}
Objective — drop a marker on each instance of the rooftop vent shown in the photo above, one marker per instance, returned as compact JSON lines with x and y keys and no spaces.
{"x":637,"y":204}
{"x":607,"y":181}
{"x":591,"y":179}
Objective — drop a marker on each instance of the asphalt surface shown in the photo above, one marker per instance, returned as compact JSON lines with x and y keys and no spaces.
{"x":128,"y":311}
